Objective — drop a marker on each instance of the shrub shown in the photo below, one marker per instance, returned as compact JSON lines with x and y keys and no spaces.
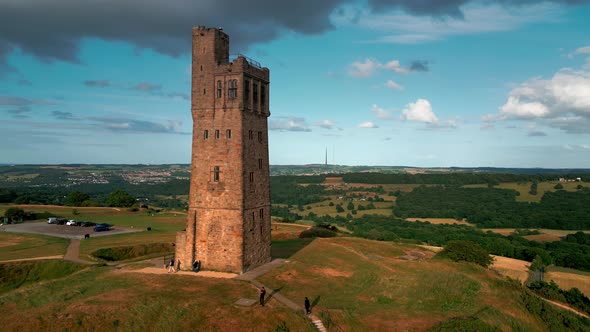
{"x":123,"y":253}
{"x":317,"y":231}
{"x":466,"y":251}
{"x":558,"y":186}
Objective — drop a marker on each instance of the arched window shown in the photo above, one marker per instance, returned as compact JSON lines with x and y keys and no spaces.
{"x":233,"y":89}
{"x":219,"y":89}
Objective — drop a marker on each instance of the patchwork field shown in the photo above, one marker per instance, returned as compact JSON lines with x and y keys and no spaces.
{"x":547,"y":235}
{"x":524,"y":188}
{"x":441,"y":221}
{"x":568,"y":278}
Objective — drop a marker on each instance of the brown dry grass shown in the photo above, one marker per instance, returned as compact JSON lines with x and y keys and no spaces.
{"x":439,"y":221}
{"x":510,"y":267}
{"x":570,"y":280}
{"x":11,"y":241}
{"x":547,"y":235}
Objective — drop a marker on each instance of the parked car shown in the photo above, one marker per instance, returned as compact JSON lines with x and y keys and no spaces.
{"x":52,"y":220}
{"x":71,"y":222}
{"x":87,"y":223}
{"x":61,"y":221}
{"x":102,"y":227}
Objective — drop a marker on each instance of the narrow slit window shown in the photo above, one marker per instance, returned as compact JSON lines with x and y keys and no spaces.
{"x":250,"y":134}
{"x":262,"y":95}
{"x":233,"y":89}
{"x":251,"y":177}
{"x":253,"y":216}
{"x":261,"y":212}
{"x":219,"y":89}
{"x":206,"y":134}
{"x":228,"y":133}
{"x":260,"y":137}
{"x":259,"y":163}
{"x":216,"y":174}
{"x":216,"y":134}
{"x":247,"y":91}
{"x":255,"y":93}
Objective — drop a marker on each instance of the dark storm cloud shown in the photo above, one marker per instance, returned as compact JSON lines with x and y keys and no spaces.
{"x":52,"y":30}
{"x":97,"y":84}
{"x":419,"y":65}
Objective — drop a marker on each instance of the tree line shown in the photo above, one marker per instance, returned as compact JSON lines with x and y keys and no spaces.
{"x":496,"y":208}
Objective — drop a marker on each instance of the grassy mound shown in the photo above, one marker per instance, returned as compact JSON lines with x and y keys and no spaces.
{"x":130,"y":252}
{"x":18,"y":274}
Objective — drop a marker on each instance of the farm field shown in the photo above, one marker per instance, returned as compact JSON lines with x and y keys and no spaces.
{"x":524,"y":188}
{"x":547,"y":235}
{"x":441,"y":221}
{"x":569,"y":278}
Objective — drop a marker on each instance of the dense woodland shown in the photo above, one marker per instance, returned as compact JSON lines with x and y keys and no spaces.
{"x":497,"y":208}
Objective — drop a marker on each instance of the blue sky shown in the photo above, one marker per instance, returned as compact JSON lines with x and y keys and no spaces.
{"x":376,"y":82}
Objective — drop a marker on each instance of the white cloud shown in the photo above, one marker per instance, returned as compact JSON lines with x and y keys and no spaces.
{"x":369,"y":67}
{"x":420,"y":111}
{"x":393,"y":86}
{"x":380,"y":113}
{"x":580,"y":50}
{"x":288,"y":123}
{"x":368,"y":124}
{"x":395,"y":67}
{"x":326,"y":124}
{"x":363,"y":69}
{"x":563,"y":101}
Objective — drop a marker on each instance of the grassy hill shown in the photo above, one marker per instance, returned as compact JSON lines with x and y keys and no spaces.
{"x":354,"y":284}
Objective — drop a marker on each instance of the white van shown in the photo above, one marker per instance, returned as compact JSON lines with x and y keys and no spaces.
{"x":52,"y":220}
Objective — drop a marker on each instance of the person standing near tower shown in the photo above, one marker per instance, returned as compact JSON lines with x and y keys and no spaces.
{"x":262,"y":294}
{"x":307,"y":306}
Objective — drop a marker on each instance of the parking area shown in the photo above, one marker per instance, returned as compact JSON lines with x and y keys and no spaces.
{"x":69,"y":232}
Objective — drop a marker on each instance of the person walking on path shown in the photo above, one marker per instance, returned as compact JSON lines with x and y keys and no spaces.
{"x":171,"y":266}
{"x":262,"y":294}
{"x":307,"y":306}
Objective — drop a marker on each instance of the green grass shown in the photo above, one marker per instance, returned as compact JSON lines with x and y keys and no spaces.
{"x":287,"y":248}
{"x":133,"y":252}
{"x":19,"y":274}
{"x":21,"y":245}
{"x":102,"y":299}
{"x":88,"y":246}
{"x":359,"y":285}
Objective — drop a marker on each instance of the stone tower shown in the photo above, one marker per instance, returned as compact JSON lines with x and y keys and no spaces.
{"x":228,"y":223}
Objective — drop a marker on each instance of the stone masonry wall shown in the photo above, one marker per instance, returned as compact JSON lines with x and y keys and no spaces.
{"x":228,"y":224}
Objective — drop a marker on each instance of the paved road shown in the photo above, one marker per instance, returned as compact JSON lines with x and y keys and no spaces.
{"x":68,"y":232}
